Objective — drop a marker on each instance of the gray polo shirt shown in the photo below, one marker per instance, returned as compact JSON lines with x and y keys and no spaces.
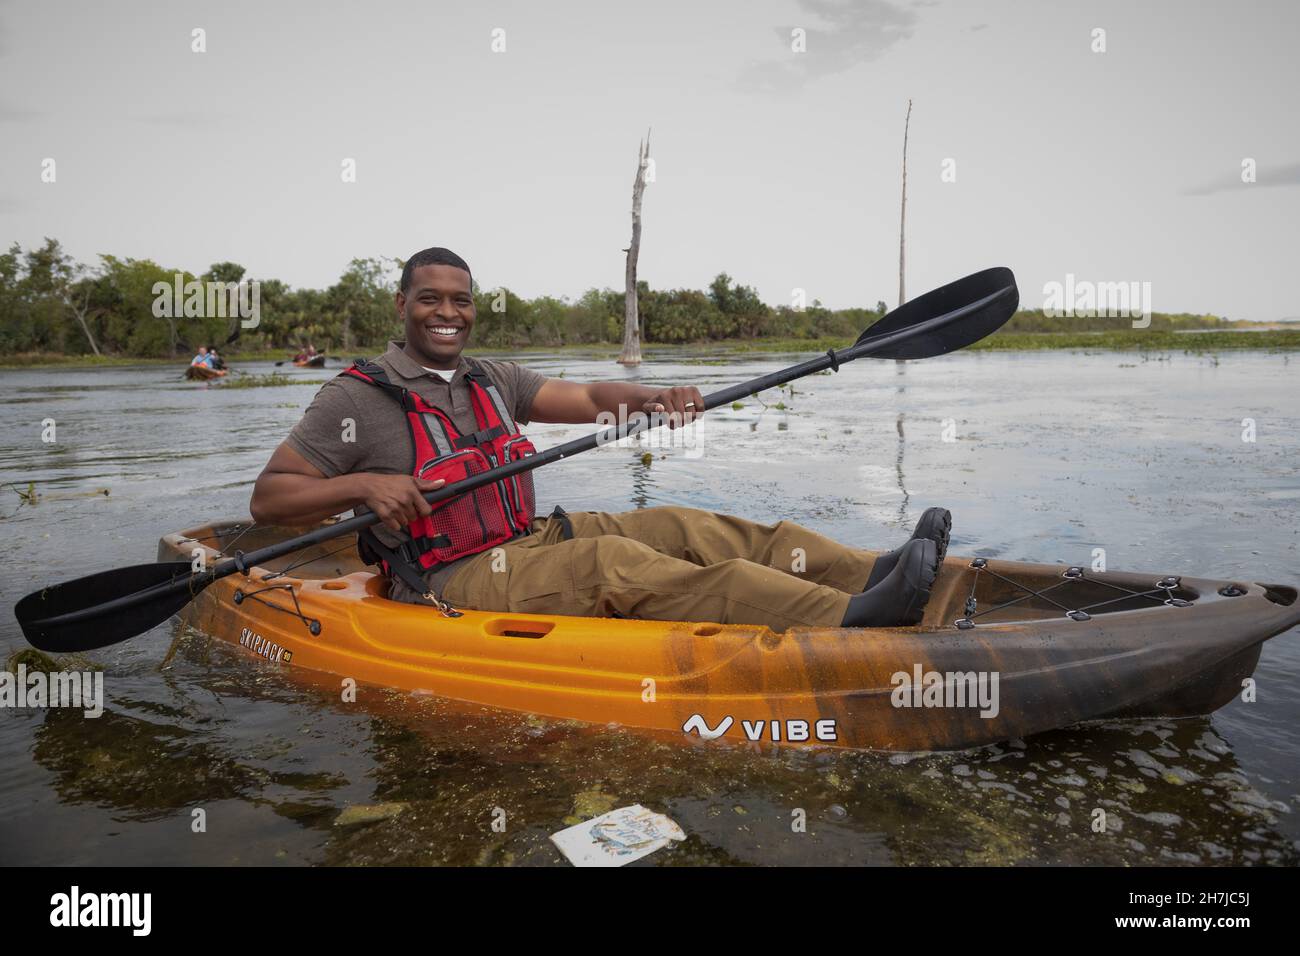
{"x":382,"y":439}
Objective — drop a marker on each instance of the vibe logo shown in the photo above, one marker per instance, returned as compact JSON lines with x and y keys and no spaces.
{"x":701,"y":727}
{"x":134,"y":910}
{"x":794,"y":730}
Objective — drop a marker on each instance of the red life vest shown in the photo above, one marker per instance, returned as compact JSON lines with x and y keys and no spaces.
{"x":485,"y":517}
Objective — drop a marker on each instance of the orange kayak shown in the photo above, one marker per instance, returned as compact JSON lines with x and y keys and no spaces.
{"x":1006,"y":649}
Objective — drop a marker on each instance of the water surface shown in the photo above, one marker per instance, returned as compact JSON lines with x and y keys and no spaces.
{"x":1051,"y":455}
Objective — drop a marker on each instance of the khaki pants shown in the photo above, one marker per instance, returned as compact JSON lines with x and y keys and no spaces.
{"x":667,"y":564}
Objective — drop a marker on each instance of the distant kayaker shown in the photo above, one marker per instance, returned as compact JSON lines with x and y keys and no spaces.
{"x":202,"y":359}
{"x":383,"y":433}
{"x":215,"y":361}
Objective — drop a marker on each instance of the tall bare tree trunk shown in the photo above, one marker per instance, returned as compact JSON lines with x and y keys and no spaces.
{"x":82,"y":312}
{"x":902,"y":216}
{"x":631,"y":354}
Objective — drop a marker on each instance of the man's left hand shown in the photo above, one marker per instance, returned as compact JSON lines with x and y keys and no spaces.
{"x":682,"y":405}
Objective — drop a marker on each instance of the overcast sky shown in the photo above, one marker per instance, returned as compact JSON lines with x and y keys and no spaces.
{"x":780,"y":168}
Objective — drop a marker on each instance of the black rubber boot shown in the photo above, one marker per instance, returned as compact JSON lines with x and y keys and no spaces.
{"x":935,"y":525}
{"x":899,"y":600}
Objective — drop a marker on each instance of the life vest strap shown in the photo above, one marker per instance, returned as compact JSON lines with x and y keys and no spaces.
{"x":478,"y":377}
{"x":480,"y":437}
{"x":397,"y":563}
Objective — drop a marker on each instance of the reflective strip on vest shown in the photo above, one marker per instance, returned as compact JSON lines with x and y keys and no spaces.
{"x":502,"y":412}
{"x":438,"y":433}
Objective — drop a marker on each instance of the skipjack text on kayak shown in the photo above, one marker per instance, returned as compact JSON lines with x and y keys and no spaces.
{"x":259,"y":645}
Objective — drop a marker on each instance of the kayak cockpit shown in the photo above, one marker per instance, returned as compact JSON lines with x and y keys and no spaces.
{"x":970,"y":592}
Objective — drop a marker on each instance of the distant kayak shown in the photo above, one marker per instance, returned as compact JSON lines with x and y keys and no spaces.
{"x":201,"y":373}
{"x":316,"y":361}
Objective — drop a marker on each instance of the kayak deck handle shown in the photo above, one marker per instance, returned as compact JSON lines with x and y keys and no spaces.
{"x":507,"y":627}
{"x":1280,"y":593}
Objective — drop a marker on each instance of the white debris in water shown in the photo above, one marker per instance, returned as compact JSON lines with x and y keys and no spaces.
{"x":617,"y":837}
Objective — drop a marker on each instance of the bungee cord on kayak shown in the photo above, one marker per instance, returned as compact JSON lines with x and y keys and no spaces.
{"x":305,"y":561}
{"x":240,"y":596}
{"x":1161,"y":593}
{"x":228,"y":549}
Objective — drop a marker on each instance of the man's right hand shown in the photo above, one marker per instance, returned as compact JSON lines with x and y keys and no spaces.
{"x":397,"y":499}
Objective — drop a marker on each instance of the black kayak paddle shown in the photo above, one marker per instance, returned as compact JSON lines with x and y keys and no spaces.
{"x":112,"y":606}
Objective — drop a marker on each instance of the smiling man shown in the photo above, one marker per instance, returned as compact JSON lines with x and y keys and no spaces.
{"x":423,"y":414}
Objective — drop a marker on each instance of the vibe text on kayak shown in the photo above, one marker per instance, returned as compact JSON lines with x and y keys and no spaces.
{"x":793,"y":730}
{"x":923,"y":688}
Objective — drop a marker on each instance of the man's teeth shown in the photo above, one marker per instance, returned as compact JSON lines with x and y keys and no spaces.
{"x":444,"y":330}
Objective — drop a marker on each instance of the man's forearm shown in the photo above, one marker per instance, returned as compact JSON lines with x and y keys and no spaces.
{"x":608,"y":396}
{"x":287,"y":498}
{"x":559,"y":401}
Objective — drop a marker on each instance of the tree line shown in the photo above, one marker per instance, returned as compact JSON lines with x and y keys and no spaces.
{"x":49,"y":303}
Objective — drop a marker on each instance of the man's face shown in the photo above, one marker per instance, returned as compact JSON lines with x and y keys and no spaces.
{"x":438,"y":312}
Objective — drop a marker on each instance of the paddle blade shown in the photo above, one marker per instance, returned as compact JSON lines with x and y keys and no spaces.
{"x":997,"y":285}
{"x":108,"y":607}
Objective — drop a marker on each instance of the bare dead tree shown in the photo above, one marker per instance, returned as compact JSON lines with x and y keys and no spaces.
{"x":902,"y":216}
{"x":82,"y":311}
{"x":631,"y":354}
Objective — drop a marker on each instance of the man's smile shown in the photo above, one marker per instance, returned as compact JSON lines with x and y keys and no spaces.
{"x":444,"y":333}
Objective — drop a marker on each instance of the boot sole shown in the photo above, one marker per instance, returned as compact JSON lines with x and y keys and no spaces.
{"x":922,"y":571}
{"x":935,"y":525}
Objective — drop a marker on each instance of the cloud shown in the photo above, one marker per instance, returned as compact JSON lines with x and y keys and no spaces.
{"x":849,"y":34}
{"x":1288,"y":175}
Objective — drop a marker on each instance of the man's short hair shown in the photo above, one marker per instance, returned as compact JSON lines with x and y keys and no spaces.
{"x":433,"y":256}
